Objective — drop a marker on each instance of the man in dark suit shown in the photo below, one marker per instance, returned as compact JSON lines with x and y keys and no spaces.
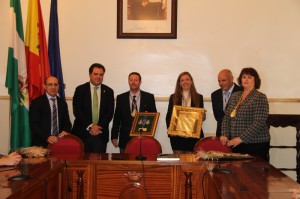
{"x":128,"y":103}
{"x":48,"y":116}
{"x":93,"y":108}
{"x":220,"y":97}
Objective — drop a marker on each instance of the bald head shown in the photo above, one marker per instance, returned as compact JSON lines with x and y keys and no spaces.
{"x":225,"y":79}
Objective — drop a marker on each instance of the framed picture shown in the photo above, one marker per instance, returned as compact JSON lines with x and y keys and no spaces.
{"x":144,"y":124}
{"x":186,"y":121}
{"x":148,"y":19}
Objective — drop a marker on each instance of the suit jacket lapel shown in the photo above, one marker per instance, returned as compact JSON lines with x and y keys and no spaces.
{"x":60,"y":109}
{"x":220,"y":98}
{"x":127,"y":103}
{"x":48,"y":108}
{"x":102,"y":98}
{"x":142,"y":102}
{"x":88,"y":101}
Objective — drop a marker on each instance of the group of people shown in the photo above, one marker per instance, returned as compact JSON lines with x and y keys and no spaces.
{"x":240,"y":111}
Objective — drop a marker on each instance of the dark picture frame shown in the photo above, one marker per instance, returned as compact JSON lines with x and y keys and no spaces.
{"x":186,"y":121}
{"x":134,"y":21}
{"x":144,"y":124}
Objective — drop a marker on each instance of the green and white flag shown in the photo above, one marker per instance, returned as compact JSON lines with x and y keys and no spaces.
{"x":16,"y":80}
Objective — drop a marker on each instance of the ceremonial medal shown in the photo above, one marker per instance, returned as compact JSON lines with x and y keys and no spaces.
{"x":233,"y":113}
{"x":133,"y":112}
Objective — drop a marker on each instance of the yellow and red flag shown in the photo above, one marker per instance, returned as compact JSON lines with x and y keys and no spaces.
{"x":36,"y":50}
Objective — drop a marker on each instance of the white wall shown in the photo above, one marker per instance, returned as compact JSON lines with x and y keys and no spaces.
{"x":212,"y":34}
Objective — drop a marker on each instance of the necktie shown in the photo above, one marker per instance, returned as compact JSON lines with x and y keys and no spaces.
{"x":133,"y":106}
{"x":54,"y":117}
{"x":95,"y":107}
{"x":226,"y":98}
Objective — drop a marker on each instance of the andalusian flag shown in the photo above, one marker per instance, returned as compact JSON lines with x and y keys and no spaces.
{"x":16,"y":80}
{"x":36,"y":50}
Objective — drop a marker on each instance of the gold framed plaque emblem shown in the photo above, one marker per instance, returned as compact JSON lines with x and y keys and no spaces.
{"x":144,"y":124}
{"x":186,"y":121}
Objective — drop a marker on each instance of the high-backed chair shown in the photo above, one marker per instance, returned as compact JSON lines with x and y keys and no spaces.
{"x":211,"y":144}
{"x":288,"y":120}
{"x":69,"y":146}
{"x":150,"y":146}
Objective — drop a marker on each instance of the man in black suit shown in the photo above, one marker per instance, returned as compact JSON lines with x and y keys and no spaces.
{"x":48,"y":116}
{"x":93,"y":108}
{"x":128,"y":103}
{"x":220,"y":97}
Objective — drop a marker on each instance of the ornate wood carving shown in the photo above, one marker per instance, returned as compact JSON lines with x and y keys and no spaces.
{"x":134,"y":189}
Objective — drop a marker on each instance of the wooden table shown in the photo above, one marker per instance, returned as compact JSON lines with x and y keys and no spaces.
{"x":44,"y":183}
{"x":248,"y":179}
{"x":121,"y":176}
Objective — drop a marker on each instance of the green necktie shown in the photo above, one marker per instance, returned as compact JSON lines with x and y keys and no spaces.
{"x":95,"y":109}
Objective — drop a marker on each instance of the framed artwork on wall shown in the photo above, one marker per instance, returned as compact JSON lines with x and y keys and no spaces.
{"x":147,"y":19}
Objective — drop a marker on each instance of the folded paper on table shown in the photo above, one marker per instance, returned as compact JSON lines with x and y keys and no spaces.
{"x":168,"y":157}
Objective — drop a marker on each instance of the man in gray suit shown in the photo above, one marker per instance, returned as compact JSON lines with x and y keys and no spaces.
{"x":220,"y":97}
{"x":128,"y":103}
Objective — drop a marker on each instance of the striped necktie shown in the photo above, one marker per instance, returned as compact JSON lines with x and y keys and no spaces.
{"x":133,"y":106}
{"x":226,"y":96}
{"x":54,"y":117}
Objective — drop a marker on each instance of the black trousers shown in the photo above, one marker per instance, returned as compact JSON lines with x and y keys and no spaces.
{"x":94,"y":144}
{"x":260,"y":149}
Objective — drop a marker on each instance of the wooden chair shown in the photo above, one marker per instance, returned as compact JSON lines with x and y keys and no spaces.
{"x":150,"y":146}
{"x":285,"y":120}
{"x":68,"y":147}
{"x":211,"y":144}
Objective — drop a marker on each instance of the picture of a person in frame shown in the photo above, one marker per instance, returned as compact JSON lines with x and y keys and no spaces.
{"x":147,"y":9}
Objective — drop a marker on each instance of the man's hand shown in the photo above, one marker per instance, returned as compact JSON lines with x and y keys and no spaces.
{"x":63,"y":133}
{"x":95,"y":130}
{"x":52,"y":139}
{"x":115,"y":142}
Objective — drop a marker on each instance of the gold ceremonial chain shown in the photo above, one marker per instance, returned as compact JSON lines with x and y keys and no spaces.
{"x":133,"y":112}
{"x":233,"y":113}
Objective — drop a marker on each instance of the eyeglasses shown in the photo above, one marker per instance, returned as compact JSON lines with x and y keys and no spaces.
{"x":50,"y":84}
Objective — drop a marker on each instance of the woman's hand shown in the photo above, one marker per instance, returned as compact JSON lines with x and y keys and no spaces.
{"x":204,"y":116}
{"x":223,"y":140}
{"x":234,"y":142}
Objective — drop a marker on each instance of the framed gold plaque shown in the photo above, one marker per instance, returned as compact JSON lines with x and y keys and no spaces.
{"x":186,"y":121}
{"x":144,"y":124}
